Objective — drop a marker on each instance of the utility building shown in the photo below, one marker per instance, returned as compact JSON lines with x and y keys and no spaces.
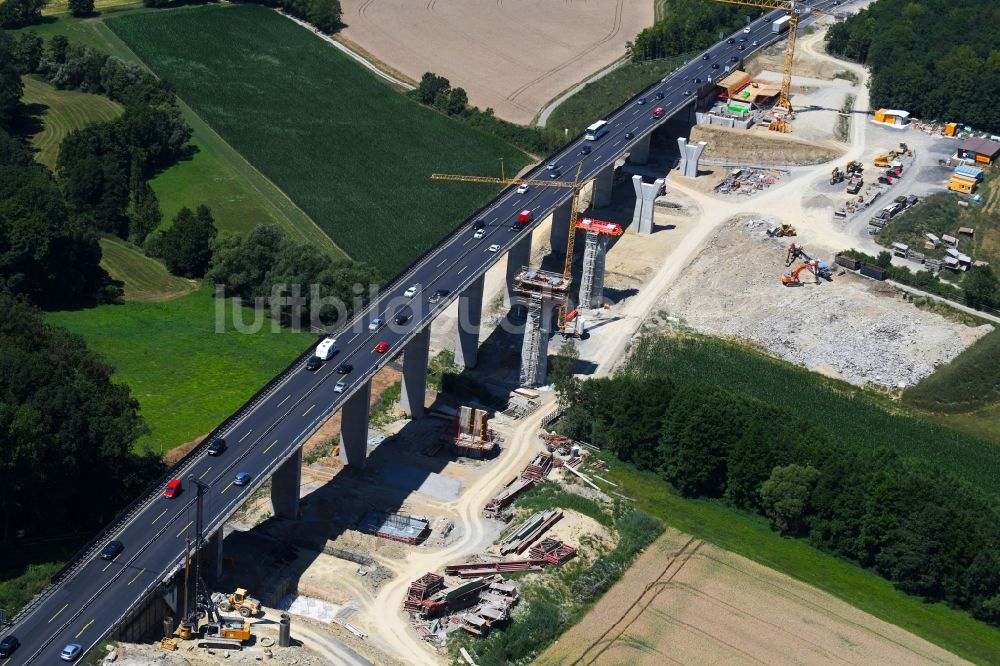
{"x":982,"y":151}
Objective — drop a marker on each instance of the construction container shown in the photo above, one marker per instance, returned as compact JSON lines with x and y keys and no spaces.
{"x":848,"y":262}
{"x":950,"y":129}
{"x":872,"y":271}
{"x":961,"y":184}
{"x":969,"y":172}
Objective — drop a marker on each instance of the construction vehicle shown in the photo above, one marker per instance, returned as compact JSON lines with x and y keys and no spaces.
{"x":795,"y":251}
{"x":225,"y":633}
{"x":791,"y":279}
{"x":784,"y":230}
{"x":795,"y":10}
{"x":576,"y":186}
{"x":239,"y":601}
{"x":854,"y":184}
{"x":854,"y":166}
{"x":836,"y":176}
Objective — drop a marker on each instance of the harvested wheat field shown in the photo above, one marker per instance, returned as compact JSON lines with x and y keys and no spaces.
{"x":688,"y":602}
{"x":511,"y":55}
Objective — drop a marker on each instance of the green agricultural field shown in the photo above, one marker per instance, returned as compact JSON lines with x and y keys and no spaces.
{"x":752,"y":537}
{"x":186,"y":377}
{"x":146,"y":280}
{"x":606,"y":94}
{"x":351,"y":152}
{"x":852,"y":416}
{"x":60,"y":112}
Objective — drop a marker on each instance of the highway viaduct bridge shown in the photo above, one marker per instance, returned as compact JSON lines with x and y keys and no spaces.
{"x":90,"y":598}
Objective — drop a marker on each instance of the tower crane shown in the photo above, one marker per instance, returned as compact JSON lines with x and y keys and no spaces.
{"x":796,"y":9}
{"x":576,"y":186}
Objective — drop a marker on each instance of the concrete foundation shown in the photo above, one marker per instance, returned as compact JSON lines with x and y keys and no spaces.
{"x":592,"y":277}
{"x":645,"y":197}
{"x":603,"y":184}
{"x":558,"y":234}
{"x":640,"y":151}
{"x":415,"y":357}
{"x":285,"y":484}
{"x":535,"y":348}
{"x":689,"y":157}
{"x":518,"y":257}
{"x":354,"y":427}
{"x":470,"y":312}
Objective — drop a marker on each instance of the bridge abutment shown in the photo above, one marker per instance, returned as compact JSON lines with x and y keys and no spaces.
{"x":415,"y":358}
{"x":354,"y":427}
{"x":470,"y":311}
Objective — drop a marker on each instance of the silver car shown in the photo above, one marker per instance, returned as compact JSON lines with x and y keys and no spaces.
{"x":376,"y":324}
{"x":71,"y":652}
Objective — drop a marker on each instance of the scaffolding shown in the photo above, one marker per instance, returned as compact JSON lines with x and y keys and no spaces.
{"x":472,"y":433}
{"x":544,"y":291}
{"x":595,"y":249}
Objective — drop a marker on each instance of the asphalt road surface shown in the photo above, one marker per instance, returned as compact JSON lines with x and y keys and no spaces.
{"x":85,"y":607}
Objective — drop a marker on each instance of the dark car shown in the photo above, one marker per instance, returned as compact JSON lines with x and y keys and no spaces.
{"x":112,"y":550}
{"x":629,"y":135}
{"x":344,"y":368}
{"x":555,"y":174}
{"x":438,"y":295}
{"x":715,"y":65}
{"x":479,"y":224}
{"x":585,"y":149}
{"x":402,"y":317}
{"x":743,"y":39}
{"x":707,"y":56}
{"x":696,"y":80}
{"x":313,"y":363}
{"x":687,"y":93}
{"x":241,"y":479}
{"x":734,"y":59}
{"x":730,"y":41}
{"x":742,"y":47}
{"x":641,"y":100}
{"x":8,"y":645}
{"x":658,"y":95}
{"x":217,"y":447}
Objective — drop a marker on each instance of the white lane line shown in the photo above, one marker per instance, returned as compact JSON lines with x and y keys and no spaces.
{"x":158,"y":517}
{"x":183,"y":529}
{"x":290,"y":395}
{"x":57,"y":613}
{"x":246,"y":435}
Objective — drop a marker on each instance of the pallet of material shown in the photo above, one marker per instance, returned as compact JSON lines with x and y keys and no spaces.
{"x":529,"y":531}
{"x":475,"y":569}
{"x":424,"y":587}
{"x":507,"y":495}
{"x":552,"y":551}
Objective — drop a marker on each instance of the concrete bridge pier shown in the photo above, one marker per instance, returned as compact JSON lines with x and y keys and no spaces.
{"x":415,"y":358}
{"x":285,"y":484}
{"x":689,"y":156}
{"x":518,"y":257}
{"x":354,"y":427}
{"x":645,"y":197}
{"x":640,"y":150}
{"x":603,"y":184}
{"x":211,"y":557}
{"x":559,"y":232}
{"x":470,"y":312}
{"x":535,"y":347}
{"x":592,"y":275}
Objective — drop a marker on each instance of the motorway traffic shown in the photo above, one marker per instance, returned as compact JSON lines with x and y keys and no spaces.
{"x":86,"y":606}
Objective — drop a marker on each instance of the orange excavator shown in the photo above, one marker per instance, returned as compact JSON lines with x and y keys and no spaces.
{"x":792,"y":279}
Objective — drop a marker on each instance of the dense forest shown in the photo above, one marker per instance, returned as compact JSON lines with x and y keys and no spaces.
{"x":688,"y":26}
{"x":938,"y":59}
{"x":930,"y":532}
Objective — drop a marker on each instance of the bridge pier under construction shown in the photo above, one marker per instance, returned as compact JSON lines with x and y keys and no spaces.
{"x":416,"y":356}
{"x":544,"y":292}
{"x":470,"y":312}
{"x":354,"y":427}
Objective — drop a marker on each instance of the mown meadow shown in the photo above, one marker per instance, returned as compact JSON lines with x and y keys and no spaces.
{"x":352,"y":152}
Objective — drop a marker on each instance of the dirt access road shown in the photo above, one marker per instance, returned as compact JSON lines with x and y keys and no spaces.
{"x":685,"y":601}
{"x":511,"y":55}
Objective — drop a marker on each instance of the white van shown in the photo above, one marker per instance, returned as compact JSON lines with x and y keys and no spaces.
{"x":326,"y":348}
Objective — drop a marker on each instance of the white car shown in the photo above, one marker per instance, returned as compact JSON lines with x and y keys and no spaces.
{"x":494,"y":248}
{"x":340,"y":386}
{"x":376,"y":324}
{"x":412,"y":291}
{"x":479,"y":233}
{"x":521,"y":189}
{"x":746,"y":30}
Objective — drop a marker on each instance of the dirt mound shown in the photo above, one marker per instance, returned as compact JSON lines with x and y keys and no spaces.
{"x":761,"y":146}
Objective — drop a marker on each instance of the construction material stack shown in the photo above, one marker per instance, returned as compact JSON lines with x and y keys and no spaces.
{"x":552,"y":551}
{"x":421,"y":589}
{"x":472,"y":433}
{"x":534,"y":473}
{"x":529,"y":531}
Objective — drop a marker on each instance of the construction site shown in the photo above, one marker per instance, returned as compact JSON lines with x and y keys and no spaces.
{"x":433,"y":537}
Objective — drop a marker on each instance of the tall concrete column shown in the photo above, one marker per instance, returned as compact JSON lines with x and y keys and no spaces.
{"x":645,"y":197}
{"x":592,"y":275}
{"x":354,"y":427}
{"x":415,"y":357}
{"x":470,"y":312}
{"x":285,"y":484}
{"x":535,"y":348}
{"x":518,"y":257}
{"x":689,"y":156}
{"x":212,"y":555}
{"x":640,"y":151}
{"x":603,"y":184}
{"x":558,"y":234}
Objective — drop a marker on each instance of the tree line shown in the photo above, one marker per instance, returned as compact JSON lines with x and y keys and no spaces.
{"x":436,"y":92}
{"x":929,"y":532}
{"x":687,"y":26}
{"x":937,"y":59}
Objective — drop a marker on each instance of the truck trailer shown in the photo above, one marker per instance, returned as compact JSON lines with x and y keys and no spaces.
{"x":781,"y":25}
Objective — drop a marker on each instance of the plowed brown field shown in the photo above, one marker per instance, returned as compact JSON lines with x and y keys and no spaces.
{"x":511,"y":55}
{"x":688,"y":602}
